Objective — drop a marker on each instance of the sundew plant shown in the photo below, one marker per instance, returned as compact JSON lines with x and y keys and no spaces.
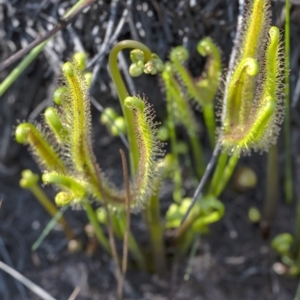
{"x":249,"y":119}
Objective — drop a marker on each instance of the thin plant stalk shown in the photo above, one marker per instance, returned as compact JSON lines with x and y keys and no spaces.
{"x":210,"y":123}
{"x":218,"y":172}
{"x":197,"y":154}
{"x":123,"y":93}
{"x":296,"y":245}
{"x":288,"y":183}
{"x":61,"y":24}
{"x":128,"y":115}
{"x":184,"y":228}
{"x":177,"y":179}
{"x":127,"y":230}
{"x":112,"y":244}
{"x":203,"y":181}
{"x":297,"y":296}
{"x":184,"y":244}
{"x":136,"y":252}
{"x":18,"y":70}
{"x":73,"y":8}
{"x":98,"y":230}
{"x":192,"y":130}
{"x":156,"y":231}
{"x":271,"y":190}
{"x":129,"y":240}
{"x":191,"y":257}
{"x":133,"y":246}
{"x":226,"y":175}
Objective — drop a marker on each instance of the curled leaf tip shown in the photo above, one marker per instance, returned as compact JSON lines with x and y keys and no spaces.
{"x":180,"y":54}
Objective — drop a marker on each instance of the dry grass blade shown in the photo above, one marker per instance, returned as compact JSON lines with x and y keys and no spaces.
{"x":4,"y":253}
{"x":29,"y":284}
{"x":75,"y":293}
{"x":63,"y":23}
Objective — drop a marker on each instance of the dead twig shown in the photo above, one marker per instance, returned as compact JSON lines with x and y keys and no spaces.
{"x":62,"y":24}
{"x":5,"y":255}
{"x":29,"y":284}
{"x":74,"y":293}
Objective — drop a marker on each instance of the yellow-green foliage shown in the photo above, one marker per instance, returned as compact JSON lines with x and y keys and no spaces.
{"x":252,"y":104}
{"x":181,"y":110}
{"x":209,"y":81}
{"x":203,"y":90}
{"x":70,"y":163}
{"x":178,"y":56}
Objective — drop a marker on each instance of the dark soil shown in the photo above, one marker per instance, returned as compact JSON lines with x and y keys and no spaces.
{"x":233,"y":261}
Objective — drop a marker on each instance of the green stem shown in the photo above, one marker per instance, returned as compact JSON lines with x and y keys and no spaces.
{"x":73,"y":8}
{"x":184,"y":229}
{"x":288,"y":183}
{"x":271,"y":189}
{"x":122,"y":94}
{"x":192,"y":256}
{"x":209,"y":119}
{"x":156,"y":231}
{"x":133,"y":246}
{"x":226,"y":174}
{"x":221,"y":177}
{"x":297,"y":296}
{"x":44,"y":200}
{"x":177,"y":179}
{"x":218,"y":172}
{"x":98,"y":230}
{"x":296,"y":245}
{"x":197,"y":154}
{"x":18,"y":70}
{"x":185,"y":243}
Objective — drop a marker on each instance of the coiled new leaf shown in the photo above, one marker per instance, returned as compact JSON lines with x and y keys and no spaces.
{"x":149,"y":147}
{"x":252,"y":106}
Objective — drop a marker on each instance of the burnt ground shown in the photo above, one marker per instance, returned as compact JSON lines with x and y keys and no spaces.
{"x":233,"y":261}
